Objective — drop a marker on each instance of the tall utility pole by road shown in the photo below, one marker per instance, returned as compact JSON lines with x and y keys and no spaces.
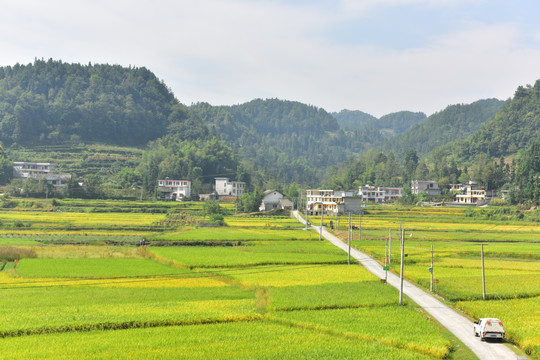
{"x":349,"y":238}
{"x":401,"y":267}
{"x":483,"y":273}
{"x":431,"y":270}
{"x":389,"y":246}
{"x":322,"y":219}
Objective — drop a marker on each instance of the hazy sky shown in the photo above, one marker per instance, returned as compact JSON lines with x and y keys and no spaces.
{"x":378,"y":56}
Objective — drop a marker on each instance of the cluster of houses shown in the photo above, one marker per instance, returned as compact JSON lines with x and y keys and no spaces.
{"x":317,"y":201}
{"x":341,"y":202}
{"x":181,"y":189}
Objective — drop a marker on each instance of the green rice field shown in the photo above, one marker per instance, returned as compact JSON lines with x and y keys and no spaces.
{"x":258,"y":287}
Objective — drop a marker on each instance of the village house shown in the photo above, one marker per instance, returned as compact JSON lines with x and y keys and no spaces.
{"x":469,"y":193}
{"x":391,"y":194}
{"x":379,"y":194}
{"x":178,"y":190}
{"x":38,"y":171}
{"x":273,"y":199}
{"x":226,"y":187}
{"x":332,"y":202}
{"x":425,"y":186}
{"x":371,"y":194}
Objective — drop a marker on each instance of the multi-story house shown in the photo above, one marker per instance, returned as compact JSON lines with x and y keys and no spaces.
{"x":332,"y":202}
{"x":391,"y":194}
{"x":372,"y":194}
{"x":425,"y":186}
{"x":469,"y":193}
{"x":38,"y":171}
{"x":226,"y":187}
{"x":174,"y":189}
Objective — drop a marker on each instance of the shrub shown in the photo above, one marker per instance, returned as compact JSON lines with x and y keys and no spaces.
{"x":10,"y":253}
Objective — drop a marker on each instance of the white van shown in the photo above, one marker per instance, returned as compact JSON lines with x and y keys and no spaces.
{"x":489,"y":328}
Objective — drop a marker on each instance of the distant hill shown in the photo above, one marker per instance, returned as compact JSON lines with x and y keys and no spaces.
{"x":454,"y":123}
{"x":388,"y":125}
{"x":285,"y":141}
{"x":396,"y":123}
{"x":515,"y":127}
{"x":350,"y":120}
{"x":51,"y":102}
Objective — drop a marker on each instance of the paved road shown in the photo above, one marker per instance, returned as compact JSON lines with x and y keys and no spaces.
{"x":459,"y":325}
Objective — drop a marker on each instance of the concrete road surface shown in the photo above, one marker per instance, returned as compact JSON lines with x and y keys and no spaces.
{"x":459,"y":325}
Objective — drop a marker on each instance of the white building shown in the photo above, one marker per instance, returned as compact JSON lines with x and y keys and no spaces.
{"x":371,"y":194}
{"x":469,"y":193}
{"x":174,"y":189}
{"x":379,"y":194}
{"x":35,"y":170}
{"x":270,"y":200}
{"x":332,"y":202}
{"x":226,"y":187}
{"x":425,"y":186}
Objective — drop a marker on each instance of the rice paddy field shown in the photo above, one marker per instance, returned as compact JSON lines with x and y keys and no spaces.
{"x":511,"y":261}
{"x":139,"y":280}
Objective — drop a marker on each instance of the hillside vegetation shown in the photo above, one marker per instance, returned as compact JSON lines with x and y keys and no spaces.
{"x":456,"y":122}
{"x":388,"y":125}
{"x":284,"y":140}
{"x":50,"y":102}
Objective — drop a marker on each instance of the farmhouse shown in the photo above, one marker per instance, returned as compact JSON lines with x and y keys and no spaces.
{"x":425,"y":186}
{"x":38,"y":171}
{"x":379,"y":194}
{"x":273,"y":199}
{"x":226,"y":187}
{"x":174,"y":189}
{"x":332,"y":202}
{"x":469,"y":193}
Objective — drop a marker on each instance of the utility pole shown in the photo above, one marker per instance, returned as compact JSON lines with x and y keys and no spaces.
{"x":349,"y":236}
{"x":322,"y":219}
{"x":360,"y":223}
{"x":389,"y":246}
{"x":401,"y":267}
{"x":386,"y":261}
{"x":306,"y":212}
{"x":431,"y":270}
{"x":483,"y":273}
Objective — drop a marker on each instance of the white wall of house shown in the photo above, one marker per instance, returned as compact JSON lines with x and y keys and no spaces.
{"x":225,"y":187}
{"x":425,"y":186}
{"x":270,"y":200}
{"x":176,"y":189}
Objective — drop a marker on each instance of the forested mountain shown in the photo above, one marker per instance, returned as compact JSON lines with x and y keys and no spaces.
{"x":284,"y":141}
{"x":264,"y":142}
{"x":456,"y":122}
{"x":350,"y":120}
{"x":515,"y":127}
{"x":53,"y":102}
{"x":396,"y":123}
{"x":389,"y":125}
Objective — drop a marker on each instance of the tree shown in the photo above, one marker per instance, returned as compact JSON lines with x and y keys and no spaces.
{"x":528,"y":176}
